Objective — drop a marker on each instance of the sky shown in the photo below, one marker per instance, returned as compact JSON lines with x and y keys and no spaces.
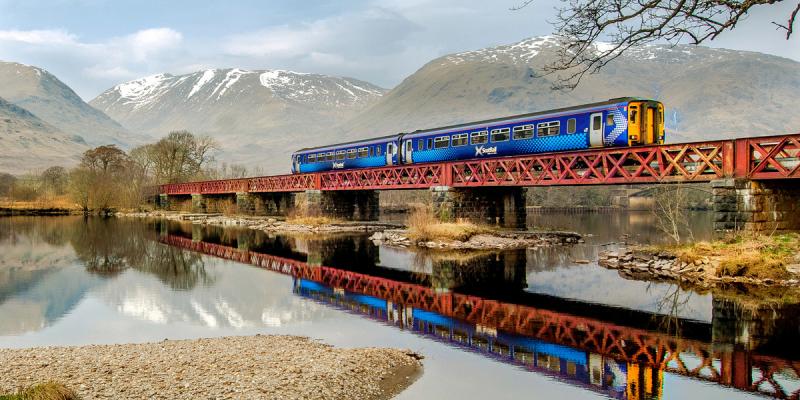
{"x":93,"y":45}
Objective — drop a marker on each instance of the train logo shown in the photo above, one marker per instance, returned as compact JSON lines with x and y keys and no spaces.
{"x":482,"y":150}
{"x":338,"y":165}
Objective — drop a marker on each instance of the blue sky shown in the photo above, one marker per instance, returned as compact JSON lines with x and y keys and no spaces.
{"x":93,"y":45}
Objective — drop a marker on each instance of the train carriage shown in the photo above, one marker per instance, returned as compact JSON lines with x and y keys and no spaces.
{"x":621,"y":122}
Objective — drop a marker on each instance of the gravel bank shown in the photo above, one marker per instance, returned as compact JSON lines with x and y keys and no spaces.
{"x":252,"y":367}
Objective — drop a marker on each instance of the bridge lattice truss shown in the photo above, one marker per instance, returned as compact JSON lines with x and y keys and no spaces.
{"x":772,"y":157}
{"x":692,"y":358}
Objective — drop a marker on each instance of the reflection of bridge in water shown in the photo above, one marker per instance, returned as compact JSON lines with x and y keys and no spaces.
{"x":586,"y":345}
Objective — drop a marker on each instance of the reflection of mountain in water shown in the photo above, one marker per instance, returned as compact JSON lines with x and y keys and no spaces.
{"x":40,"y":280}
{"x":239,"y":298}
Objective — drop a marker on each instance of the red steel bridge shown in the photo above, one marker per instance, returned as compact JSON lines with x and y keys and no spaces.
{"x":692,"y":358}
{"x":757,"y":158}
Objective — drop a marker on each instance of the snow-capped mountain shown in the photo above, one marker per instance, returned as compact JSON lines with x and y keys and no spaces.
{"x":259,"y":117}
{"x":708,"y":93}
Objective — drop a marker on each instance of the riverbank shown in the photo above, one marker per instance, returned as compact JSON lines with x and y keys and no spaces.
{"x":498,"y":239}
{"x":267,"y":224}
{"x":762,"y":260}
{"x":252,"y":367}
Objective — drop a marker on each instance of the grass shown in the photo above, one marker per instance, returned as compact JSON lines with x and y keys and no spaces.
{"x":423,"y":225}
{"x":310,"y":220}
{"x":45,"y":391}
{"x":57,"y":202}
{"x":746,"y":255}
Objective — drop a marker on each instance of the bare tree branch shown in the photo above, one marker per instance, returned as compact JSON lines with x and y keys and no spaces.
{"x":581,"y":24}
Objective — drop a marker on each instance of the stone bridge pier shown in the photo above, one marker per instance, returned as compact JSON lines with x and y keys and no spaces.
{"x":756,"y":206}
{"x":351,"y":205}
{"x":503,"y":206}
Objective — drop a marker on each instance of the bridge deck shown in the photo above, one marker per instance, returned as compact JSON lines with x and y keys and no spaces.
{"x":759,"y":158}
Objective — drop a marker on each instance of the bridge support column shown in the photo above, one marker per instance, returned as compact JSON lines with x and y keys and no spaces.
{"x":742,"y":204}
{"x":245,"y":204}
{"x":354,"y":205}
{"x":198,"y":203}
{"x":273,"y":203}
{"x":162,"y":202}
{"x":503,"y":206}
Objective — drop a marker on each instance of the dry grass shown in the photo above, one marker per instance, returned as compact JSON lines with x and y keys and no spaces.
{"x":423,"y":225}
{"x":310,"y":220}
{"x":57,"y":202}
{"x":45,"y":391}
{"x":755,"y":256}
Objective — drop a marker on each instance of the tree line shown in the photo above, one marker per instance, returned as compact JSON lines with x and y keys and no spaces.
{"x":109,"y":178}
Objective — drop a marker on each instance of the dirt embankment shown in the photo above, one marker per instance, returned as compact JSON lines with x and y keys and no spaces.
{"x":253,"y":367}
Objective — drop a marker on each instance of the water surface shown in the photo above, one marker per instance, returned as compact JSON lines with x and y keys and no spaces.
{"x":500,"y":324}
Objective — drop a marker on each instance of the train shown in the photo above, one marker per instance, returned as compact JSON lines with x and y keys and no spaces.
{"x":618,"y":122}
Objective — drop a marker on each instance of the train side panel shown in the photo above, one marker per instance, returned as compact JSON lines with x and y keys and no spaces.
{"x":544,"y":134}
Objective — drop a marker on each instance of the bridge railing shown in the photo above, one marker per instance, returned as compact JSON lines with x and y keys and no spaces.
{"x":768,"y":157}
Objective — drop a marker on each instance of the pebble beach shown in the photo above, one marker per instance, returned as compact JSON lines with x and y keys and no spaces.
{"x":252,"y":367}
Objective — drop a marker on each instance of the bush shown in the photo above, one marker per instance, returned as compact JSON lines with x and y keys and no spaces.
{"x":423,"y":225}
{"x":45,"y":391}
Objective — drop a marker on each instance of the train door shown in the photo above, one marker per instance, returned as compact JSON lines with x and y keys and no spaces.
{"x":650,"y":124}
{"x":296,"y":163}
{"x":596,"y":130}
{"x":390,"y":150}
{"x":409,"y":149}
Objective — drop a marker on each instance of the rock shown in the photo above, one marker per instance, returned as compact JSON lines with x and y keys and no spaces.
{"x":698,"y":262}
{"x":793,"y":269}
{"x":377,"y":236}
{"x":582,"y":261}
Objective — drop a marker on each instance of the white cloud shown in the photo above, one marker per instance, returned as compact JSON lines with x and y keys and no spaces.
{"x":46,"y":37}
{"x":90,"y":67}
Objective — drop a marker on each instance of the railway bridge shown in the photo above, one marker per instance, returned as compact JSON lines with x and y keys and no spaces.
{"x":754,"y":180}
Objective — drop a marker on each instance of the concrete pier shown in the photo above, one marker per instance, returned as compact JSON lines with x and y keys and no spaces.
{"x":756,"y":206}
{"x":351,"y":205}
{"x":502,"y":206}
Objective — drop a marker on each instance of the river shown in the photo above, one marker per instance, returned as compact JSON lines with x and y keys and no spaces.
{"x":502,"y":325}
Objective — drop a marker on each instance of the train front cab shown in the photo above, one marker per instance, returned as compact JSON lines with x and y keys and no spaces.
{"x":645,"y":123}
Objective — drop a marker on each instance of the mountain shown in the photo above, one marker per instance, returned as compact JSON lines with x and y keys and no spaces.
{"x":258,"y":117}
{"x":29,"y":143}
{"x":708,"y":93}
{"x":41,"y":93}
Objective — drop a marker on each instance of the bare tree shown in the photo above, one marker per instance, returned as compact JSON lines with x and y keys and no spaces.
{"x":180,"y":156}
{"x":670,"y":209}
{"x":579,"y":24}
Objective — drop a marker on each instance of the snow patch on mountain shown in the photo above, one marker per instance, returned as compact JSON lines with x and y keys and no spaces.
{"x":207,"y":76}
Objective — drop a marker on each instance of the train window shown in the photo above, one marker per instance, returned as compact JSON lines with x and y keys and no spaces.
{"x":363,"y":152}
{"x":441,"y":142}
{"x":479,"y":137}
{"x":312,"y":158}
{"x":461,"y":139}
{"x":371,"y":151}
{"x":500,"y":135}
{"x":597,"y":122}
{"x":430,"y":143}
{"x":340,"y":155}
{"x":351,"y":153}
{"x":548,"y":128}
{"x":420,"y":144}
{"x":610,"y":119}
{"x":329,"y":156}
{"x":523,"y":132}
{"x":633,"y":114}
{"x":378,"y":150}
{"x":571,"y":128}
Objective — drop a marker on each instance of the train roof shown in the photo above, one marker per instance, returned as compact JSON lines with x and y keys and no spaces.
{"x":486,"y":121}
{"x":533,"y":114}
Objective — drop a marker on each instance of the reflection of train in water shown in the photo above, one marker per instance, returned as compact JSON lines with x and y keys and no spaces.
{"x":621,"y":122}
{"x":617,"y":379}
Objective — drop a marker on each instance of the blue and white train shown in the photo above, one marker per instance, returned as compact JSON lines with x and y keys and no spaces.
{"x":621,"y":122}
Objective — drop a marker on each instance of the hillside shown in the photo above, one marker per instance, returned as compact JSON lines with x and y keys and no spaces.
{"x":52,"y":101}
{"x":259,"y":117}
{"x":28,"y":143}
{"x":708,"y":93}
